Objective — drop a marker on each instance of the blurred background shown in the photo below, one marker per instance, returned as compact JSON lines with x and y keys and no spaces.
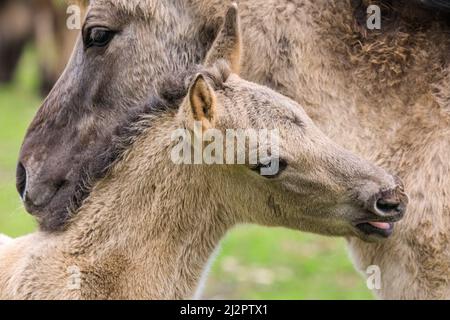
{"x":253,"y":263}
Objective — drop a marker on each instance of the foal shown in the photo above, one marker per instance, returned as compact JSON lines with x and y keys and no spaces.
{"x":149,"y":227}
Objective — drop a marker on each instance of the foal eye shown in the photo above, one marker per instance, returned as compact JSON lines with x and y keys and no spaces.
{"x":270,"y":169}
{"x":98,"y":37}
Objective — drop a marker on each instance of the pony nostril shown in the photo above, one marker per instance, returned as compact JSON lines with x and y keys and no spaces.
{"x":21,"y":179}
{"x":388,"y":207}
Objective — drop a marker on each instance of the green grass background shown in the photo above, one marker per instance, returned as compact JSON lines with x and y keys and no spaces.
{"x":253,"y":263}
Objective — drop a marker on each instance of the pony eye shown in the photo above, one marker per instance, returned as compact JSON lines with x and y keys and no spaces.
{"x":98,"y":37}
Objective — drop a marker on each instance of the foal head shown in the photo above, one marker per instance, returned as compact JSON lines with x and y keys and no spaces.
{"x":286,"y":172}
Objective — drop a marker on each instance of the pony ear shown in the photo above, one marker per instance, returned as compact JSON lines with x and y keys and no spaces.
{"x":228,"y":43}
{"x":202,"y":102}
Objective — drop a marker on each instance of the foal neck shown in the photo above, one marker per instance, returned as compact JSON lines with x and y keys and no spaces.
{"x":150,"y":224}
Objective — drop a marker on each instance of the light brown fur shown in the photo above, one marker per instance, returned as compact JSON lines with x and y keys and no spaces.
{"x":384,"y":95}
{"x":149,"y":227}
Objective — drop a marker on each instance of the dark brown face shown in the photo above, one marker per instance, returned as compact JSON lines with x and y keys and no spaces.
{"x":117,"y":64}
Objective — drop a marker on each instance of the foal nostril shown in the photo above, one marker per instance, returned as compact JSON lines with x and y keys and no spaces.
{"x":21,"y":179}
{"x":388,"y":207}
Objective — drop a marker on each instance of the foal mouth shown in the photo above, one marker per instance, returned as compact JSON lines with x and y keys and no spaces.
{"x":382,"y":229}
{"x":378,"y":227}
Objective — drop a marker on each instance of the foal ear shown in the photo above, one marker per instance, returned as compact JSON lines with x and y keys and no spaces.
{"x":228,"y":44}
{"x":202,"y":102}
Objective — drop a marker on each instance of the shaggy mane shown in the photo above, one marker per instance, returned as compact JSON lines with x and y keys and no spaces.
{"x":380,"y":60}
